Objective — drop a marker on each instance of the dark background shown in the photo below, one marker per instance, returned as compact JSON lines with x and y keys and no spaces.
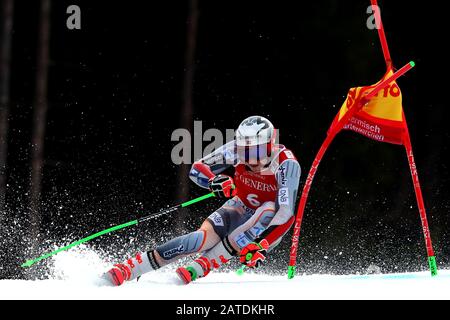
{"x":116,"y":94}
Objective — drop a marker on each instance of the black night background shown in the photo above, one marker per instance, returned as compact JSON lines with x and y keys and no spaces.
{"x":119,"y":87}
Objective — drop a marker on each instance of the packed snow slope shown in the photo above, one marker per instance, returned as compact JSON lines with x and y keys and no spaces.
{"x":75,"y":275}
{"x":227,"y":286}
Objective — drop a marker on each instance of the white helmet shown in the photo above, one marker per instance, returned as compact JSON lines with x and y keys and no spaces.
{"x":255,"y":138}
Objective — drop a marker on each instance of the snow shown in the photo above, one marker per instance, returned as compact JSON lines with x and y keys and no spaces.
{"x":225,"y":286}
{"x":75,"y":275}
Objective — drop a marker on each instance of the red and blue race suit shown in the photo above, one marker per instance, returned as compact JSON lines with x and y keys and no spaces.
{"x":277,"y":183}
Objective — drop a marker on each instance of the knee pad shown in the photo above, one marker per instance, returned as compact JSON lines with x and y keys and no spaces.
{"x":254,"y":227}
{"x":187,"y":244}
{"x":268,"y":205}
{"x":264,"y":216}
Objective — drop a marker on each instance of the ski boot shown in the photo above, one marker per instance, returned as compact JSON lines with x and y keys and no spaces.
{"x":118,"y":274}
{"x":132,"y":269}
{"x":198,"y":269}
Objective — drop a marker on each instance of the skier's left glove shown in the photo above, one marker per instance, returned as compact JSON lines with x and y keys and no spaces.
{"x":253,"y":254}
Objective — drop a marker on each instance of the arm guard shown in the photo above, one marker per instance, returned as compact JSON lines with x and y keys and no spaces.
{"x":213,"y":164}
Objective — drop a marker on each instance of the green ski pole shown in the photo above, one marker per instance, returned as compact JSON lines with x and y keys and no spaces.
{"x":154,"y":215}
{"x":240,"y":271}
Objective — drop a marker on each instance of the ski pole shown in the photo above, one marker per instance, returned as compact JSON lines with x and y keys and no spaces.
{"x":154,"y":215}
{"x":240,"y":271}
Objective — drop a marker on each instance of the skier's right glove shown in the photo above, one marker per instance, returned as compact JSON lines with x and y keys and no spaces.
{"x":222,"y":186}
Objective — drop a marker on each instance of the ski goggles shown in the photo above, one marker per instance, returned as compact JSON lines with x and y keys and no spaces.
{"x":254,"y":154}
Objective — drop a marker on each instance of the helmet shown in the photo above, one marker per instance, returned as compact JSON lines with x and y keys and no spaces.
{"x":255,"y":138}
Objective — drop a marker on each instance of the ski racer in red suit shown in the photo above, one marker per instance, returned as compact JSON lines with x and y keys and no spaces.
{"x":259,"y":210}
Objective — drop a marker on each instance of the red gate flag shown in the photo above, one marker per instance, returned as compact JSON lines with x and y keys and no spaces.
{"x":381,"y":119}
{"x":376,"y":112}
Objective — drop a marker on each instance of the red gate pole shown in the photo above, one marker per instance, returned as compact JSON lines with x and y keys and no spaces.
{"x":409,"y":151}
{"x":381,"y":33}
{"x":338,"y":127}
{"x":420,"y":202}
{"x":304,"y":198}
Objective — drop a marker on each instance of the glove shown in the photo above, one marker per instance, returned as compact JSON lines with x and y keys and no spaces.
{"x":253,"y":254}
{"x":222,"y":186}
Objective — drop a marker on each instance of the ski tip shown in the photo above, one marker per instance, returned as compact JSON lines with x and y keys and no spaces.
{"x":412,"y":64}
{"x":27,"y":264}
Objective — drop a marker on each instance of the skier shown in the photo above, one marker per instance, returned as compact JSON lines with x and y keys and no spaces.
{"x":260,"y":208}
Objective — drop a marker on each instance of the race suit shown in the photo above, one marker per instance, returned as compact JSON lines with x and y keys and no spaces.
{"x":273,"y":191}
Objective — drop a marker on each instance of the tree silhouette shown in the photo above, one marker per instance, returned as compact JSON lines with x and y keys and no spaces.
{"x":39,"y":118}
{"x":5,"y":60}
